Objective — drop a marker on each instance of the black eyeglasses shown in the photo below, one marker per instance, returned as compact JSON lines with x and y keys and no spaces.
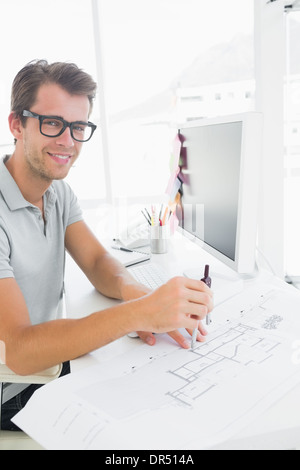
{"x":54,"y":126}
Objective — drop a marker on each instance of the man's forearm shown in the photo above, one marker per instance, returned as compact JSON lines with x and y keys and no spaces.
{"x":180,"y":303}
{"x":37,"y":347}
{"x":113,"y":280}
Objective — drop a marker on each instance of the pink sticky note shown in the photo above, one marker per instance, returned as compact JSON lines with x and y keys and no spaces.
{"x":174,"y":161}
{"x":171,"y":182}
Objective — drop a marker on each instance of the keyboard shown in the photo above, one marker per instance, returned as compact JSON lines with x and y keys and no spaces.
{"x":150,"y":274}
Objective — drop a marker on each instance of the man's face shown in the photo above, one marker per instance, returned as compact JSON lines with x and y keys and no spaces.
{"x":51,"y":158}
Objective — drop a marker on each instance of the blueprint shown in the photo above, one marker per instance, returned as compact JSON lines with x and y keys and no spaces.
{"x":168,"y":398}
{"x":227,"y":353}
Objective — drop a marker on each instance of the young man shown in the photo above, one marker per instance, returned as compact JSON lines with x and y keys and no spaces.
{"x":40,"y":218}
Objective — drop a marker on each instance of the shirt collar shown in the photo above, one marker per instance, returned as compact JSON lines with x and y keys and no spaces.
{"x":11,"y":192}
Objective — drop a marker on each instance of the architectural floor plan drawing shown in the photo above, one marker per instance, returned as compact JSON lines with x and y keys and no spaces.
{"x":169,"y":398}
{"x":222,"y":356}
{"x":268,"y":312}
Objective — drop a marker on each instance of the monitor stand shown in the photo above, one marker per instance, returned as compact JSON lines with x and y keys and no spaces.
{"x":224,"y":286}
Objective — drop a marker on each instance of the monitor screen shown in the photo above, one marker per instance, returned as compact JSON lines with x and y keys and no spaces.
{"x":219,"y":195}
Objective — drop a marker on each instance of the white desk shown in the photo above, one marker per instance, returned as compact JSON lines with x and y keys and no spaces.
{"x":278,"y":428}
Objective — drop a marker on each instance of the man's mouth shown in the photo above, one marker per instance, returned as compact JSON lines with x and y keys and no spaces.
{"x":60,"y":158}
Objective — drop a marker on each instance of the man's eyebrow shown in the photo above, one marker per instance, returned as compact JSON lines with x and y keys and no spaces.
{"x":52,"y":116}
{"x":60,"y":117}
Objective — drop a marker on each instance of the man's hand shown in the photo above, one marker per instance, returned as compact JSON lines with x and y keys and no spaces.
{"x":150,"y":339}
{"x":182,"y":301}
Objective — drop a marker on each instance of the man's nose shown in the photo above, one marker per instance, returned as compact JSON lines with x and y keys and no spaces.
{"x":65,"y":138}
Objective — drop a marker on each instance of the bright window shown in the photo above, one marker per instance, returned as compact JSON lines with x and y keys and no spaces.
{"x":166,"y":62}
{"x":59,"y":30}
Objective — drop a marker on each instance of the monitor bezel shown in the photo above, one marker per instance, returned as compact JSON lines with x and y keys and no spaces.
{"x":249,"y":188}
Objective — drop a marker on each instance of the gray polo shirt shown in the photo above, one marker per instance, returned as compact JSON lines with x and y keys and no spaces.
{"x":32,"y":250}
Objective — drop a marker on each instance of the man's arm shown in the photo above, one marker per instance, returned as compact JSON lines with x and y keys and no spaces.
{"x":33,"y":348}
{"x":110,"y":277}
{"x":180,"y":303}
{"x":107,"y":275}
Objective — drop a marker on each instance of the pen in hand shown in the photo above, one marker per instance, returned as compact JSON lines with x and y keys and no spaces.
{"x":194,"y":337}
{"x":207,"y":280}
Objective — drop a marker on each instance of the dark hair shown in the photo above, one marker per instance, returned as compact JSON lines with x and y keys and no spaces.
{"x":36,"y":73}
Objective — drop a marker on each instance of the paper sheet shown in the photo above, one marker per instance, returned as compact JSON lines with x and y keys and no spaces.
{"x":129,"y":258}
{"x":168,"y":398}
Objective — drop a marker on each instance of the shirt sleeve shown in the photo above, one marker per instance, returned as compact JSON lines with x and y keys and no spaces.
{"x":75,"y":212}
{"x":6,"y":269}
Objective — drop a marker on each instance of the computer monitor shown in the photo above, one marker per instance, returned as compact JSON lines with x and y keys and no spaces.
{"x":220,"y":168}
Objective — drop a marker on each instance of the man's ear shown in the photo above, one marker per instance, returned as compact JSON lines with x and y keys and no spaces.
{"x":15,"y":126}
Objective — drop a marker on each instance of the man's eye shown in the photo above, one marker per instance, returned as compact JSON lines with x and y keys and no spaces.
{"x":52,"y":123}
{"x":79,"y":128}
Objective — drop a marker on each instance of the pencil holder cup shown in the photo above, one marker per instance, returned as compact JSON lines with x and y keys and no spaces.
{"x":159,"y":239}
